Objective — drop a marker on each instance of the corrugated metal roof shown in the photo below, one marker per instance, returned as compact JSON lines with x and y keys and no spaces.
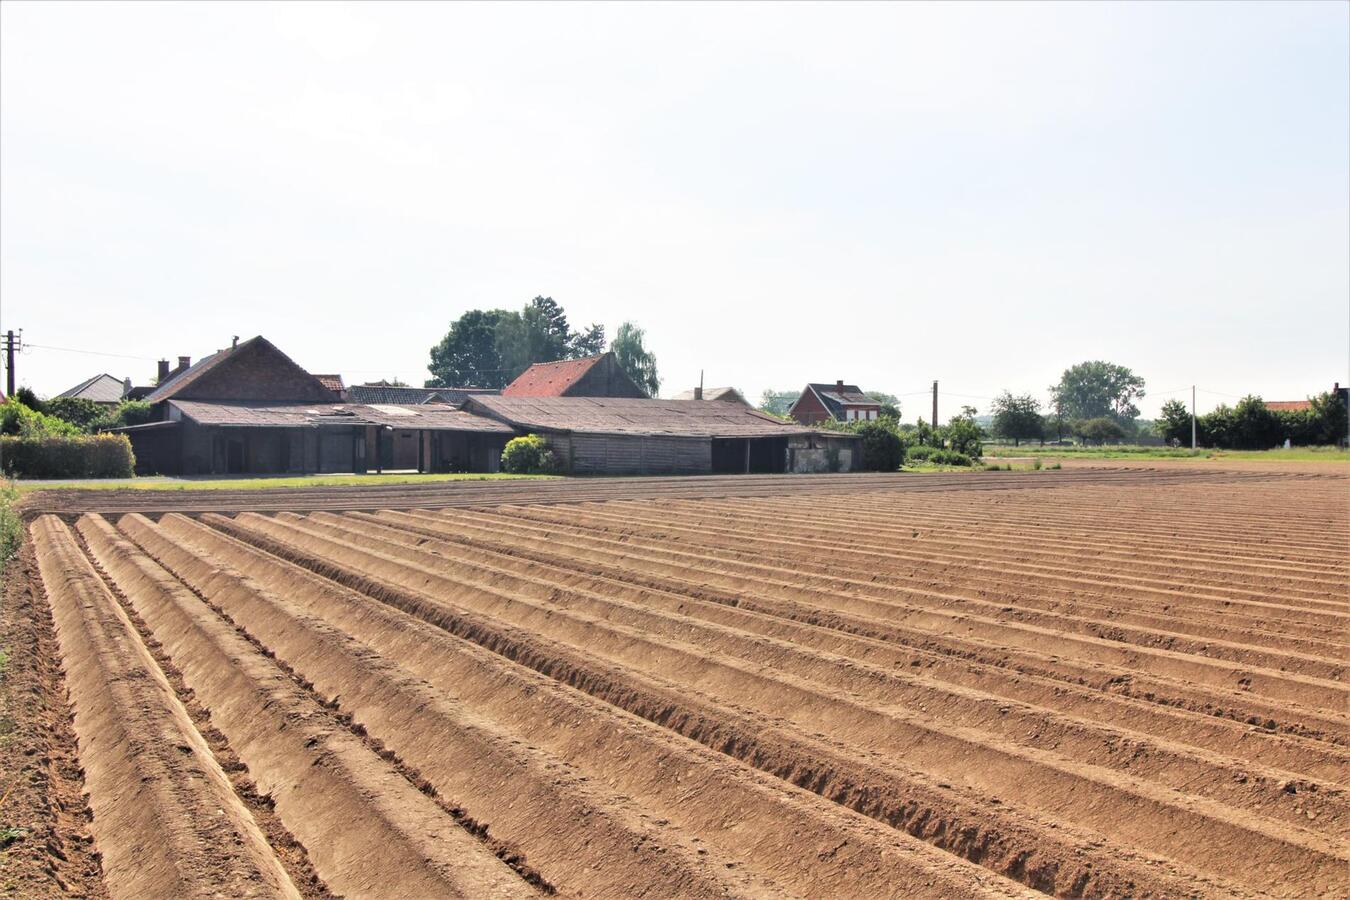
{"x":616,"y":415}
{"x":433,"y":417}
{"x":102,"y":388}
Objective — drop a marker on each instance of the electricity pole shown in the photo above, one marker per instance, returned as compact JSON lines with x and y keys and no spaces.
{"x":12,"y":343}
{"x":935,"y":406}
{"x":1192,"y":417}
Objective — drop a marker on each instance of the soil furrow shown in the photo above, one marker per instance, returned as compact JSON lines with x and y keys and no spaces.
{"x":334,"y":795}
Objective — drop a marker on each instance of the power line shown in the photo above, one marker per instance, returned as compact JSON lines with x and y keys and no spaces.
{"x":88,"y":352}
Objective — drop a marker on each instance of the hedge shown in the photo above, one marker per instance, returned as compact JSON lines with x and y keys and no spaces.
{"x":85,"y":456}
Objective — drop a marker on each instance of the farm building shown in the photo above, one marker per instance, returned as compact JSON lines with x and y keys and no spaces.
{"x":251,"y":409}
{"x":725,"y":394}
{"x":594,"y":376}
{"x":630,"y":436}
{"x":102,"y":388}
{"x":840,"y":402}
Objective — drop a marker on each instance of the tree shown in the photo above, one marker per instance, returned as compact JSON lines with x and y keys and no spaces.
{"x":1018,"y":418}
{"x":590,"y":342}
{"x":633,"y":357}
{"x":1098,"y":430}
{"x":1174,"y":424}
{"x":1328,"y":419}
{"x":1254,"y":427}
{"x":1097,"y":389}
{"x":963,"y":435}
{"x":777,"y":403}
{"x":467,"y":355}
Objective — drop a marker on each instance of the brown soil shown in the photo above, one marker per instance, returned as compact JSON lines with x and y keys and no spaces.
{"x":1095,"y":682}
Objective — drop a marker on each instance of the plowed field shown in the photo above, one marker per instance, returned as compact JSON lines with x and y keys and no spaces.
{"x":1116,"y":684}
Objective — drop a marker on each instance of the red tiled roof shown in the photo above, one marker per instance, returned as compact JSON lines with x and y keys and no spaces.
{"x":550,"y":379}
{"x":332,"y":382}
{"x":1289,"y":405}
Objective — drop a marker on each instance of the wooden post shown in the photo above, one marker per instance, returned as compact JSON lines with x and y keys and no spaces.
{"x":747,"y":456}
{"x":421,"y":449}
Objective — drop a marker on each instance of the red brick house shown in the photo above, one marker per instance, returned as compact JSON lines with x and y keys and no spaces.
{"x":840,"y":402}
{"x":594,"y":376}
{"x":251,"y":409}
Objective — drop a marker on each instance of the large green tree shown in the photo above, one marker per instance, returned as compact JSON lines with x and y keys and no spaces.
{"x":1018,"y":417}
{"x":489,"y":348}
{"x":630,"y":350}
{"x":1174,"y":423}
{"x":467,"y":356}
{"x":1098,"y":389}
{"x":777,"y":403}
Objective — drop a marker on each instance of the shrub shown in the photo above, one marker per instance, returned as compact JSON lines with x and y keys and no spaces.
{"x":938,"y":456}
{"x":23,"y":421}
{"x":128,"y":412}
{"x":81,"y":456}
{"x":1099,"y":430}
{"x":76,"y":410}
{"x":529,"y":455}
{"x":882,"y":448}
{"x":950,"y":458}
{"x":919,"y":453}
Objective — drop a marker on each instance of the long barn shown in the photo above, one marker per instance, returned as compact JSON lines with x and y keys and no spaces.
{"x":629,"y":436}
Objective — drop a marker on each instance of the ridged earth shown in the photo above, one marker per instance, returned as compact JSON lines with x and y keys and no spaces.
{"x":1087,"y":683}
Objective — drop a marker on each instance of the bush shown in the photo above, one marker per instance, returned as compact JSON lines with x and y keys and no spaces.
{"x":128,"y":412}
{"x":81,"y":456}
{"x":920,"y":453}
{"x":21,"y":420}
{"x":882,"y":448}
{"x":529,"y":455}
{"x":950,"y":458}
{"x":76,"y":410}
{"x":937,"y":456}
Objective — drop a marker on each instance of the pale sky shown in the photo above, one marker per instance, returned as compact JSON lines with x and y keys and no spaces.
{"x":777,"y":193}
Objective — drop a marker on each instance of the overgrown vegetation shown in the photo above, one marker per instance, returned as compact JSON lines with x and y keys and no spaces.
{"x":938,"y":456}
{"x":529,"y":455}
{"x":11,"y":526}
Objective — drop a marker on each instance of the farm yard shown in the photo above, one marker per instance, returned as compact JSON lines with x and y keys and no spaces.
{"x":1124,"y":681}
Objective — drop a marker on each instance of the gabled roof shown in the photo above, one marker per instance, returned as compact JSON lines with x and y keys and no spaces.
{"x":102,"y":388}
{"x":837,"y":398}
{"x":380,"y":393}
{"x":332,"y":382}
{"x":550,"y":379}
{"x":625,"y":415}
{"x":211,"y":369}
{"x":725,"y":394}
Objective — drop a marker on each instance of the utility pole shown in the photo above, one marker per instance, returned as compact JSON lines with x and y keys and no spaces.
{"x":1192,"y":417}
{"x":11,"y":344}
{"x":935,"y":406}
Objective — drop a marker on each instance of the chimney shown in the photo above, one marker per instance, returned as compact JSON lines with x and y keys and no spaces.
{"x":163,"y":370}
{"x":698,"y":392}
{"x":126,"y":386}
{"x":184,"y":362}
{"x":236,"y":342}
{"x":839,"y":386}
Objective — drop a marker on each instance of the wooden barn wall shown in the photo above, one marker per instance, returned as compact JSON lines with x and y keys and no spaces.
{"x":602,"y":454}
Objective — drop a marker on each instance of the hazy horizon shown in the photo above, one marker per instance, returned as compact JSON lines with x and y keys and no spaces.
{"x":982,"y":194}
